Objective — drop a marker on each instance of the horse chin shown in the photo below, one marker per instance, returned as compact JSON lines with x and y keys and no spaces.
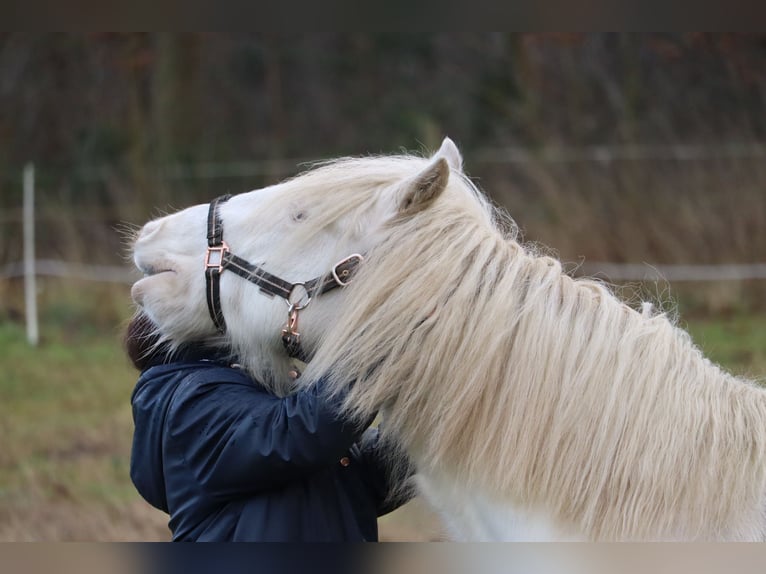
{"x":161,"y":296}
{"x":149,"y":284}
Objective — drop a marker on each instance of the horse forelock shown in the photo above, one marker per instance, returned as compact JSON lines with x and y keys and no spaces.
{"x":495,"y":366}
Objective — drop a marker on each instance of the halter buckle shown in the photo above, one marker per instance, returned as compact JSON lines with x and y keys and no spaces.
{"x":214,"y":257}
{"x":343,"y":270}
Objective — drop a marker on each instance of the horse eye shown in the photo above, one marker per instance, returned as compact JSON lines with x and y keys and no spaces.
{"x":299,"y":216}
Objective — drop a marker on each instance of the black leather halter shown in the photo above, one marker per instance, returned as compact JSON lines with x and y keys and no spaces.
{"x":297,"y":295}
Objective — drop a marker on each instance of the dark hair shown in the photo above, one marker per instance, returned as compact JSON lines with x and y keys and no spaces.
{"x":142,"y":343}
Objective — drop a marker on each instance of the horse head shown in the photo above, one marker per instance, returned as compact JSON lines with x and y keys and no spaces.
{"x":297,"y":231}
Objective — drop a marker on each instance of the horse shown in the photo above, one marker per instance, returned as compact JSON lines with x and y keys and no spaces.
{"x":535,"y":405}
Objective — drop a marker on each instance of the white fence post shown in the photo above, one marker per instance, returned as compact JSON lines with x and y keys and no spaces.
{"x":30,"y":287}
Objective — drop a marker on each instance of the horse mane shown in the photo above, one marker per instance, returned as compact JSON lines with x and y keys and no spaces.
{"x":495,"y":366}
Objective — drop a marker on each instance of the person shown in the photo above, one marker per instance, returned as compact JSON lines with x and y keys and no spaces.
{"x":229,"y":461}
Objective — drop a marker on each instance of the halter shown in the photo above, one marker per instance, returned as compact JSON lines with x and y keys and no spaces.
{"x":297,"y":295}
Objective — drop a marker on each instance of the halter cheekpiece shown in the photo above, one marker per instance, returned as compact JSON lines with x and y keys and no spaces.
{"x":297,"y":295}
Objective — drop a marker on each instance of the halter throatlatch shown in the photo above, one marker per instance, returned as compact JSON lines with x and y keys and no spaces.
{"x":297,"y":295}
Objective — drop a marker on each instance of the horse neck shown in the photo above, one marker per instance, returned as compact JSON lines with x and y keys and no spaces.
{"x":255,"y":330}
{"x":594,"y":400}
{"x":531,"y":386}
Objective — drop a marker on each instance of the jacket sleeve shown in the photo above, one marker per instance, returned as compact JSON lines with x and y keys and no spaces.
{"x":236,"y":438}
{"x":389,"y":471}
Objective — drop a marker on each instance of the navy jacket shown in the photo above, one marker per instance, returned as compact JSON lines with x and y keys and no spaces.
{"x":231,"y":462}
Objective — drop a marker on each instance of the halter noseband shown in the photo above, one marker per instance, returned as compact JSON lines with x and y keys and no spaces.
{"x":297,"y":295}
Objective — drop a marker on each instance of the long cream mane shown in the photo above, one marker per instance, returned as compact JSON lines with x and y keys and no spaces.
{"x":494,"y":366}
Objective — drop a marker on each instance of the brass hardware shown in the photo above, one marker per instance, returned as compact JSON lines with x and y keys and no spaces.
{"x":214,"y":256}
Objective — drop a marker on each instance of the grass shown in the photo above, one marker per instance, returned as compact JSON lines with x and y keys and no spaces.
{"x":65,"y":428}
{"x":66,"y":425}
{"x":738,"y":343}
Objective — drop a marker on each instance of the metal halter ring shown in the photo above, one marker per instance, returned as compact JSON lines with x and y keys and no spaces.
{"x":298,"y":294}
{"x":214,"y":256}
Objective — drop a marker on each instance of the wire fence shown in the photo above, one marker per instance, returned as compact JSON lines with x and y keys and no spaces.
{"x":611,"y":153}
{"x":82,"y":271}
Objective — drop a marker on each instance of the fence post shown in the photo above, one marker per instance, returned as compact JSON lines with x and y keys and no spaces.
{"x":30,"y":287}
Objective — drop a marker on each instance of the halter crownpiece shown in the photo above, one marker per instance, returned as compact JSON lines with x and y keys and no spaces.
{"x":297,"y":295}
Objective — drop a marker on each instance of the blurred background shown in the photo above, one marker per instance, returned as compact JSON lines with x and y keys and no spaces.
{"x":640,"y":158}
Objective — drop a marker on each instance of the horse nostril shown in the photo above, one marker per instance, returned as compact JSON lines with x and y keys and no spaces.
{"x":149,"y":229}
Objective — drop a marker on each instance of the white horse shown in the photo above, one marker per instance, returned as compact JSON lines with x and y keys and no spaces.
{"x":535,"y":405}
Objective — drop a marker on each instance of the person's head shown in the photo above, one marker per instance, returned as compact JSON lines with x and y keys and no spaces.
{"x":142,"y":342}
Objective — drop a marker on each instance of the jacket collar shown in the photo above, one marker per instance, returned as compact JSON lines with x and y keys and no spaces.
{"x":191,"y":352}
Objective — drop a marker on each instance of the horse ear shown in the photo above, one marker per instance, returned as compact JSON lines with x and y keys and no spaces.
{"x":424,"y":188}
{"x":449,"y":151}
